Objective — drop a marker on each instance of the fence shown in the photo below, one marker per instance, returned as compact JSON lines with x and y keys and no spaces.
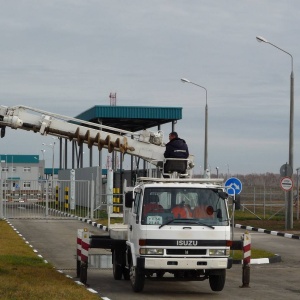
{"x":58,"y":198}
{"x":266,"y":202}
{"x":37,"y":199}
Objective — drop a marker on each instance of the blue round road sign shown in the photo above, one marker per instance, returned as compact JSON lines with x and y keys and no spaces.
{"x":233,"y":186}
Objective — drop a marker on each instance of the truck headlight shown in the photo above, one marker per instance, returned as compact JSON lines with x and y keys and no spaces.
{"x":151,"y":251}
{"x":218,"y":252}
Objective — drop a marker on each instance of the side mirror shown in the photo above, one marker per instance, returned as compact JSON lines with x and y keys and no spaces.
{"x":129,"y":199}
{"x":210,"y":210}
{"x":223,"y":195}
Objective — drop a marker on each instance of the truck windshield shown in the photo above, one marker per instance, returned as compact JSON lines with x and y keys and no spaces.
{"x":175,"y":206}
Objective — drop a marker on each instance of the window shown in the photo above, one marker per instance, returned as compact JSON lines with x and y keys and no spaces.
{"x":13,"y":169}
{"x":27,"y":169}
{"x":137,"y":203}
{"x":194,"y":205}
{"x":26,"y":184}
{"x":5,"y":169}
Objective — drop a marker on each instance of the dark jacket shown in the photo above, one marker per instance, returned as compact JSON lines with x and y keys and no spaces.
{"x":176,"y":148}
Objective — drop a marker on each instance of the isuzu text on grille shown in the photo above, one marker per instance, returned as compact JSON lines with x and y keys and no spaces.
{"x":187,"y":243}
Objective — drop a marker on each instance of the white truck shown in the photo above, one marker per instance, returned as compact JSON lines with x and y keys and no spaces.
{"x":175,"y":227}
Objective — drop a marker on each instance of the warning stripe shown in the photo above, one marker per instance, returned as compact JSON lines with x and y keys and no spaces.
{"x":246,"y":248}
{"x":79,"y":236}
{"x":85,"y":246}
{"x":247,"y":258}
{"x":78,"y":247}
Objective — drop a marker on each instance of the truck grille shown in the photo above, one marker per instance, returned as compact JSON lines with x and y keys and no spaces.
{"x":186,"y":252}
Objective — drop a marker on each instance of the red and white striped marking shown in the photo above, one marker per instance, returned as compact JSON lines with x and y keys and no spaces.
{"x":79,"y":234}
{"x":246,"y":248}
{"x":83,"y":245}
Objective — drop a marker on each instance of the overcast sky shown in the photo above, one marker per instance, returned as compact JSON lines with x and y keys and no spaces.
{"x":65,"y":56}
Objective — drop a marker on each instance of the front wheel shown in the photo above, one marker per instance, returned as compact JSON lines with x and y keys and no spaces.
{"x":217,"y":282}
{"x":137,"y":278}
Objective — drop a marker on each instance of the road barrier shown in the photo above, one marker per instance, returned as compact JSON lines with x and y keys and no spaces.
{"x":83,"y":245}
{"x":246,"y":238}
{"x":67,"y":197}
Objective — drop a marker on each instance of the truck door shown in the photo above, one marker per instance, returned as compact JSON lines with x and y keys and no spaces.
{"x":134,"y":220}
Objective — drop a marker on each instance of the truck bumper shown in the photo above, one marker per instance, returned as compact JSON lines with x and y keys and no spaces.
{"x":176,"y":263}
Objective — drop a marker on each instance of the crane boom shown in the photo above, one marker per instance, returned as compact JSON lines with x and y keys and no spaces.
{"x":146,"y":145}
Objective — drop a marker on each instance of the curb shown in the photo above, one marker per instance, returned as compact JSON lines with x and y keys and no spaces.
{"x":283,"y":234}
{"x":82,"y":219}
{"x":274,"y":259}
{"x":260,"y":261}
{"x":95,"y":224}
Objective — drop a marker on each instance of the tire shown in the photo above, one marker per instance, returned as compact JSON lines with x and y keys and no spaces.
{"x":217,"y":282}
{"x":117,"y":268}
{"x":137,"y":278}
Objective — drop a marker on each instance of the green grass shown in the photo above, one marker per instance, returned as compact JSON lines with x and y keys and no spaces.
{"x":24,"y":275}
{"x":255,"y":253}
{"x":276,"y":223}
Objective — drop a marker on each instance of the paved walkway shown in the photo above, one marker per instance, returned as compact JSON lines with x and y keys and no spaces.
{"x":55,"y":239}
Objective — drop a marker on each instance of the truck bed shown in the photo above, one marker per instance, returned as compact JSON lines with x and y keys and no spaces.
{"x":116,"y":238}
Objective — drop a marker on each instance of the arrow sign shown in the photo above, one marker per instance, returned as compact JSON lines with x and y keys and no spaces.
{"x":233,"y":186}
{"x":286,"y":183}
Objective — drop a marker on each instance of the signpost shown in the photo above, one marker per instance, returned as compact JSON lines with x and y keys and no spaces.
{"x":286,"y":183}
{"x":286,"y":170}
{"x":233,"y":186}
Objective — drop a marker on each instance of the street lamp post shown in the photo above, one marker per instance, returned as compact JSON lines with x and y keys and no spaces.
{"x":52,"y":147}
{"x":206,"y":121}
{"x":43,"y":153}
{"x":297,"y":193}
{"x":289,"y":221}
{"x":227,"y":170}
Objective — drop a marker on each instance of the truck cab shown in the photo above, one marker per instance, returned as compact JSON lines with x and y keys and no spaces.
{"x":178,"y":229}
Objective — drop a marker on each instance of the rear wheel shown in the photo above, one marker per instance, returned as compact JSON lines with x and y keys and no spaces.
{"x":137,"y":278}
{"x":217,"y":282}
{"x":117,"y":268}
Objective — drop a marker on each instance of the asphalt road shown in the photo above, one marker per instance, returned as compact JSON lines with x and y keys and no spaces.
{"x":55,"y":240}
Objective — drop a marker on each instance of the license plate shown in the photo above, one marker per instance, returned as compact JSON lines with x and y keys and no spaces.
{"x":154,"y":220}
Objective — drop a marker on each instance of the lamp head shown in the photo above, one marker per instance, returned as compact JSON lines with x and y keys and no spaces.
{"x":261,"y":39}
{"x":185,"y":80}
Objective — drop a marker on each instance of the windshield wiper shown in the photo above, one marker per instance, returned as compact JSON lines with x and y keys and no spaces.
{"x":201,"y":223}
{"x":169,"y":222}
{"x":186,"y":221}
